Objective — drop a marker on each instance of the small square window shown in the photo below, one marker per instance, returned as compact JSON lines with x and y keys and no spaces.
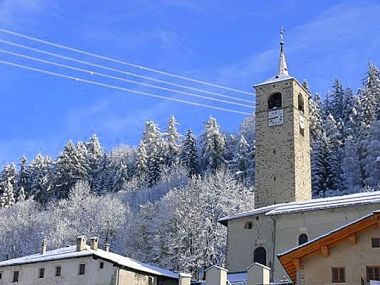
{"x":375,"y":242}
{"x":373,"y":273}
{"x":101,"y":265}
{"x":16,"y":276}
{"x":41,"y":273}
{"x":338,"y":275}
{"x":82,"y":269}
{"x":58,"y":270}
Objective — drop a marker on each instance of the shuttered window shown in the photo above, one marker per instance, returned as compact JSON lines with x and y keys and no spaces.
{"x":338,"y":275}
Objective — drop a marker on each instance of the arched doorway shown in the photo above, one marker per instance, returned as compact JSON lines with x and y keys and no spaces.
{"x":260,"y":255}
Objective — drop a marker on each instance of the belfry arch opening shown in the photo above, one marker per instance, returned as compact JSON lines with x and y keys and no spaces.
{"x":260,"y":255}
{"x":275,"y":101}
{"x":303,"y":238}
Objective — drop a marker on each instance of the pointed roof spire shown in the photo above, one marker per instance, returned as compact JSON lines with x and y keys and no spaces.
{"x":283,"y":67}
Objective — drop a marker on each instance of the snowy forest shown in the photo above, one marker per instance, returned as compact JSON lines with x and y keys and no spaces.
{"x":160,"y":202}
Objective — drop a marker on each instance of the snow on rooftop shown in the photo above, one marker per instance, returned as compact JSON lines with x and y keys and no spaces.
{"x":279,"y":77}
{"x":237,"y":278}
{"x":312,"y":205}
{"x":71,"y":252}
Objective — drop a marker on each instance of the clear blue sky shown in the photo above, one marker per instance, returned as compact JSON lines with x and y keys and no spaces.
{"x":234,"y":43}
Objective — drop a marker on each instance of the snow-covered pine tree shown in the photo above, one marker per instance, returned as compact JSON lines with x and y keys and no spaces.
{"x":8,"y":199}
{"x":247,"y":129}
{"x":21,"y":195}
{"x":188,"y":153}
{"x":354,"y":149}
{"x":154,"y":145}
{"x":318,"y":142}
{"x":141,"y":162}
{"x":370,"y":97}
{"x":23,"y":177}
{"x":94,"y":154}
{"x":240,"y":164}
{"x":372,"y":160}
{"x":70,"y":168}
{"x":41,"y":178}
{"x":213,"y":146}
{"x":172,"y":147}
{"x":335,"y":156}
{"x":337,"y":99}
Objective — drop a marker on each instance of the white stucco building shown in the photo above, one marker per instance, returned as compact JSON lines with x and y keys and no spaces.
{"x":85,"y":265}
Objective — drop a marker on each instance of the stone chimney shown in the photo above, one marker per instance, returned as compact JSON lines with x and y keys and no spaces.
{"x":43,"y":246}
{"x":258,"y":274}
{"x":81,"y":243}
{"x":94,"y":243}
{"x":107,"y":247}
{"x":184,"y":279}
{"x":216,"y":275}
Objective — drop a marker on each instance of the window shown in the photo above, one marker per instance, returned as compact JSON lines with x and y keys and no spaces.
{"x":150,"y":280}
{"x":16,"y":276}
{"x":373,"y":273}
{"x":1,"y":275}
{"x":338,"y":275}
{"x":82,"y":268}
{"x":301,"y":106}
{"x":58,"y":270}
{"x":101,"y":265}
{"x":41,"y":273}
{"x":375,"y":242}
{"x":303,"y":238}
{"x":248,"y":225}
{"x":260,"y":255}
{"x":275,"y":101}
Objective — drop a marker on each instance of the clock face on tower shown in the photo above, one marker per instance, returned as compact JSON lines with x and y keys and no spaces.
{"x":275,"y":117}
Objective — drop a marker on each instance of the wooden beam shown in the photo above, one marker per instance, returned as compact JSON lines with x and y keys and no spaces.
{"x":324,"y":251}
{"x":298,"y":264}
{"x":353,"y":239}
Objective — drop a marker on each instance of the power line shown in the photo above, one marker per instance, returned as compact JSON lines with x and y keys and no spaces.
{"x":122,"y":62}
{"x":119,"y":78}
{"x":120,"y":71}
{"x":121,"y":88}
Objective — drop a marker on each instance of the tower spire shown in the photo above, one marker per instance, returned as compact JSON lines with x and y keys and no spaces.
{"x":283,"y":67}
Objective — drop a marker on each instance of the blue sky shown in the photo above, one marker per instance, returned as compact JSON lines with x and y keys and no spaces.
{"x":233,"y":43}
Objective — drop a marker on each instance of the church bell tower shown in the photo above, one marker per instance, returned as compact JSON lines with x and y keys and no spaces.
{"x":283,"y":171}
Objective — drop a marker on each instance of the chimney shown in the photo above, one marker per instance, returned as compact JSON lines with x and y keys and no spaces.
{"x":43,"y":246}
{"x":81,"y":243}
{"x":258,"y":274}
{"x":184,"y":279}
{"x":94,"y":243}
{"x":216,"y":275}
{"x":107,"y":247}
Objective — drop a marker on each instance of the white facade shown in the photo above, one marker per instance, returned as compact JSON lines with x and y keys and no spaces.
{"x":85,"y":265}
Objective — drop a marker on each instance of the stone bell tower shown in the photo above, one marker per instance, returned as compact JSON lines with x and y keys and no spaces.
{"x":283,"y":171}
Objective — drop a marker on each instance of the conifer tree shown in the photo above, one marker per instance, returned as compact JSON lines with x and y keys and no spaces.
{"x":188,"y":154}
{"x":94,"y":154}
{"x":7,"y":199}
{"x":213,"y":146}
{"x":41,"y":178}
{"x":172,"y":148}
{"x":372,"y":160}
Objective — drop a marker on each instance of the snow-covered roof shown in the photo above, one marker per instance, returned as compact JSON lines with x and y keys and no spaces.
{"x":311,"y":205}
{"x":279,"y":77}
{"x":237,"y":278}
{"x":71,"y":252}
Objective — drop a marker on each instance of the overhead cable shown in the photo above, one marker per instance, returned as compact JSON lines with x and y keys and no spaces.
{"x":91,"y":72}
{"x":127,"y":73}
{"x":123,"y":62}
{"x":78,"y":79}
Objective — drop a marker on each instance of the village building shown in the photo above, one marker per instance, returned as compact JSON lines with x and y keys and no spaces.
{"x":86,"y":265}
{"x":285,"y":214}
{"x":349,"y":254}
